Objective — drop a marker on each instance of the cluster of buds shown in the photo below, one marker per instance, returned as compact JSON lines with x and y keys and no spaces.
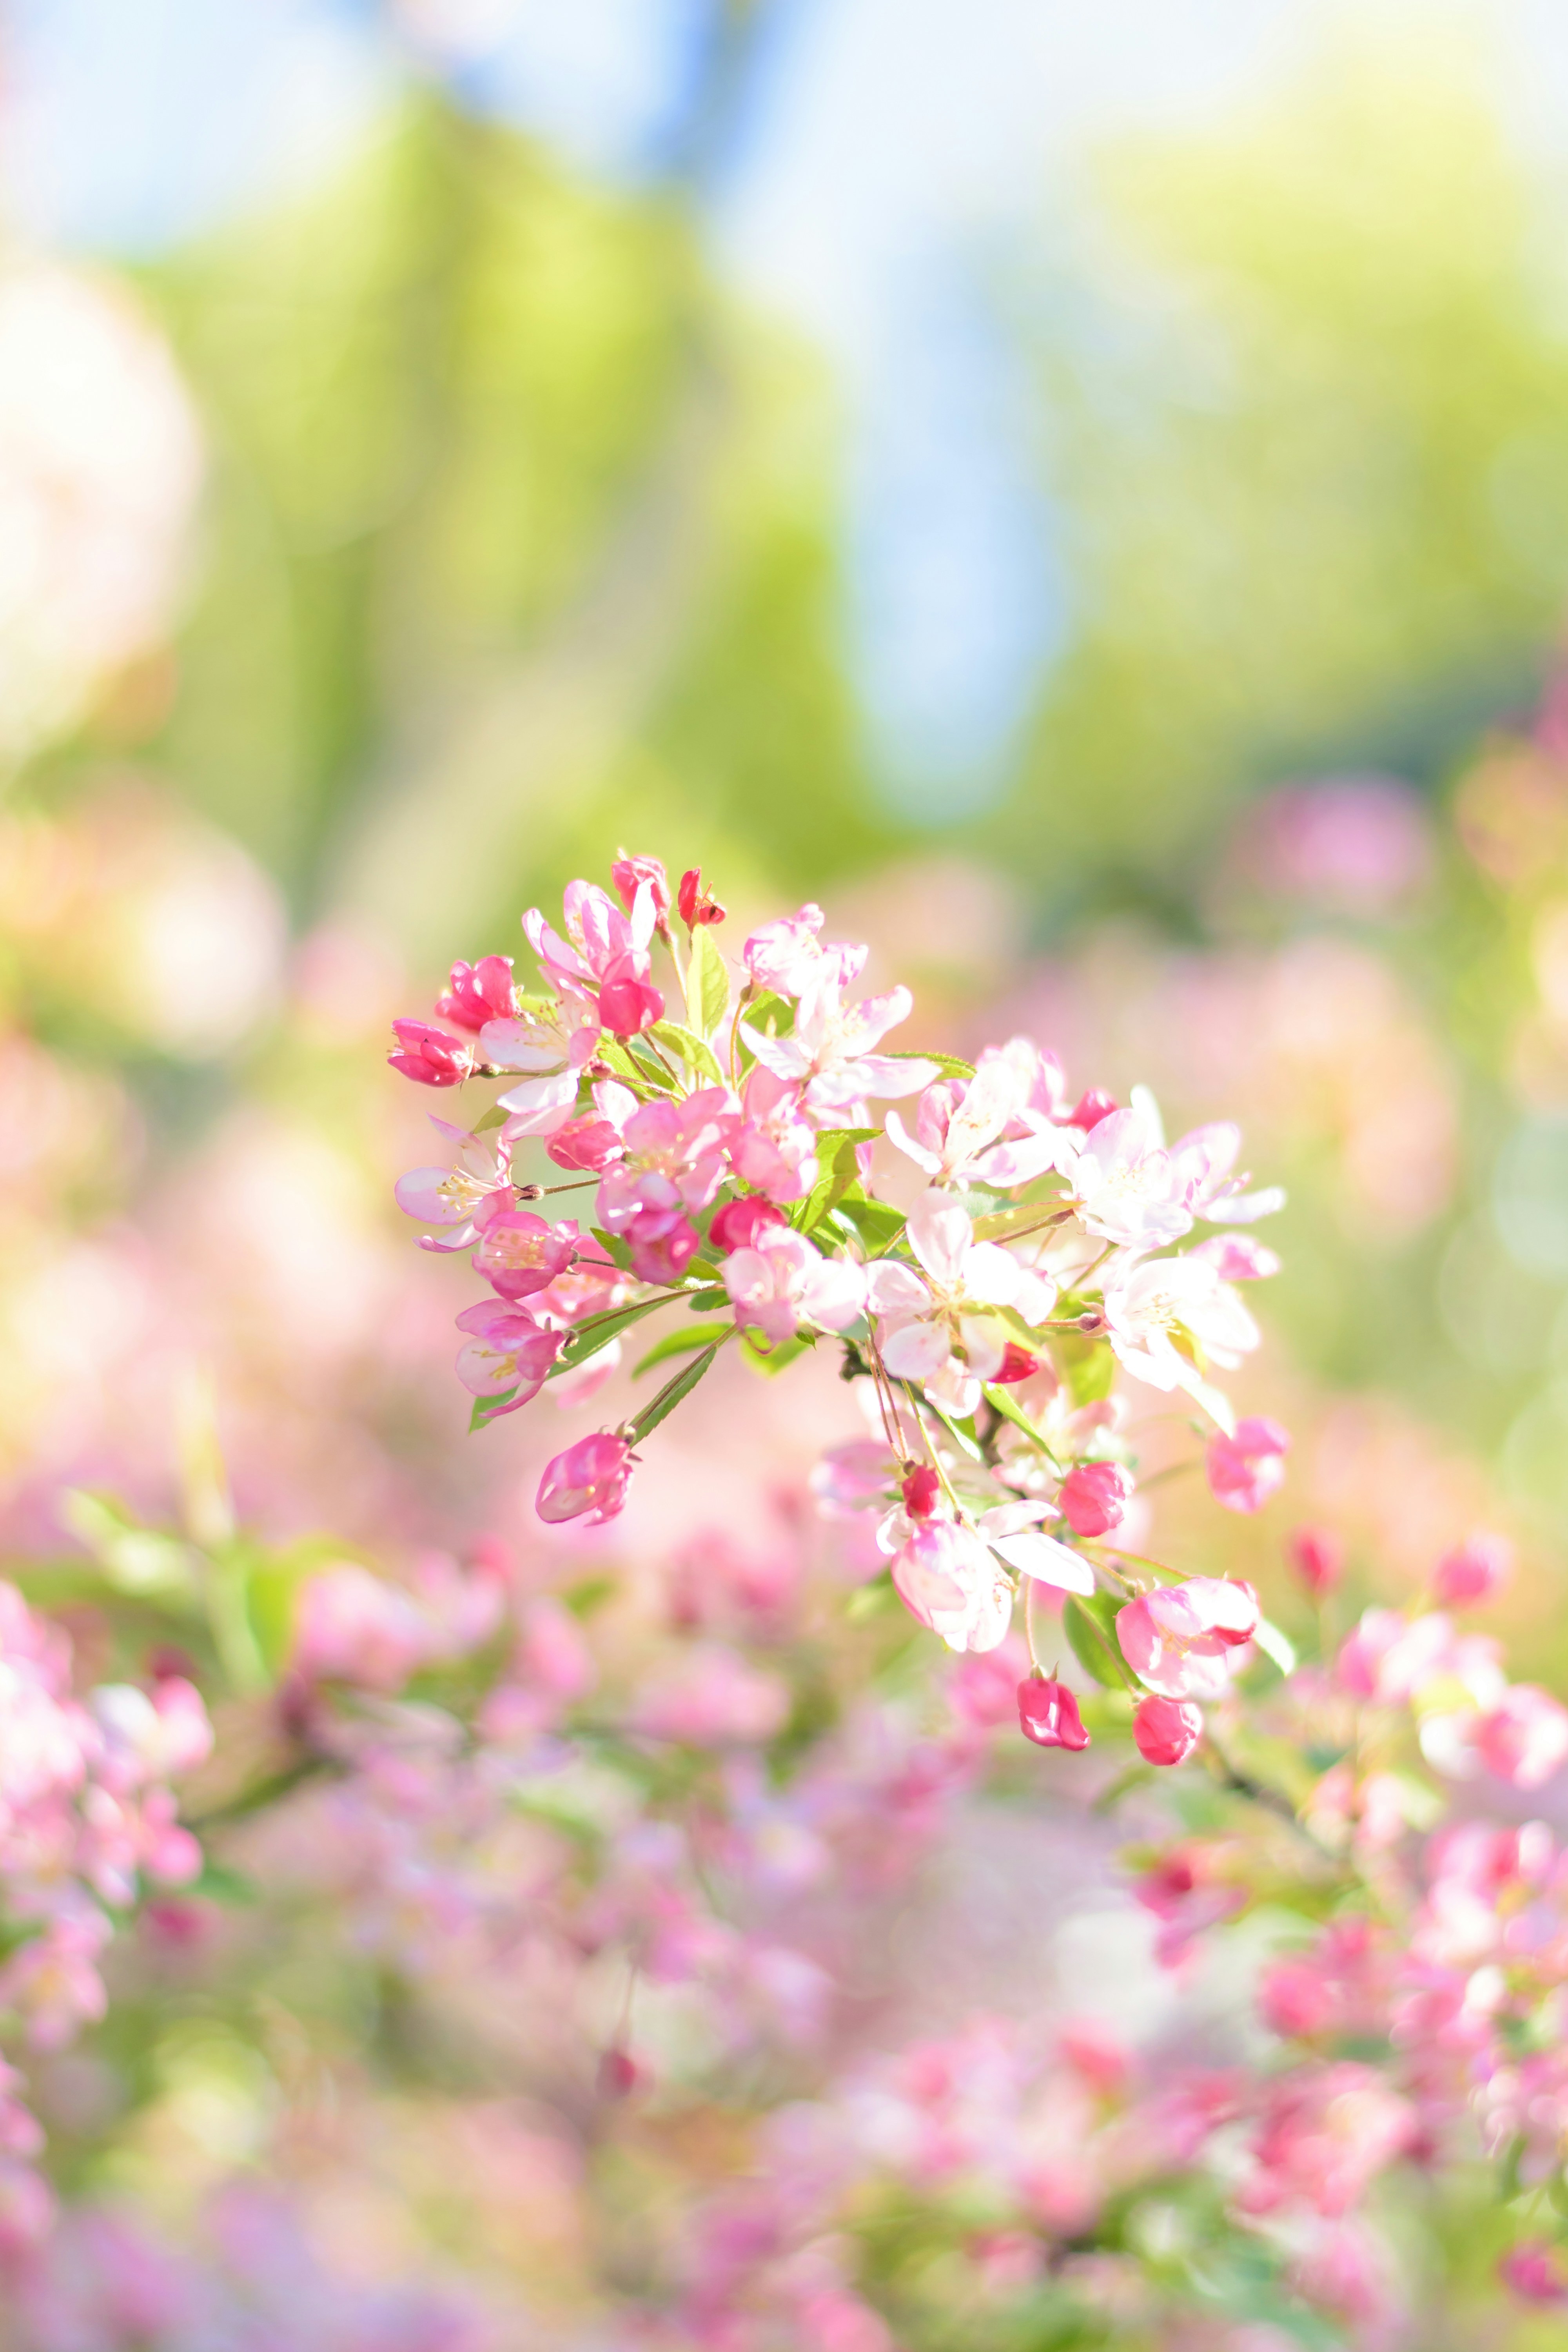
{"x":1050,"y":1244}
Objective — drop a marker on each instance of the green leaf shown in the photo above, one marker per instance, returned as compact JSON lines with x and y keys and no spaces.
{"x":494,"y":1116}
{"x":1093,"y":1640}
{"x":625,"y":1064}
{"x":599,"y":1331}
{"x":484,"y":1408}
{"x":969,"y":1445}
{"x":1276,"y":1645}
{"x":877,"y":1223}
{"x":716,"y":1296}
{"x":1023,"y":1216}
{"x":699,"y":1059}
{"x":770,"y":1016}
{"x":219,"y":1884}
{"x":1088,"y":1366}
{"x":1000,"y":1401}
{"x":681,"y":1343}
{"x":707,"y":983}
{"x":840,"y":1170}
{"x":775,"y":1359}
{"x":673,"y":1392}
{"x":134,"y":1560}
{"x":953,"y":1065}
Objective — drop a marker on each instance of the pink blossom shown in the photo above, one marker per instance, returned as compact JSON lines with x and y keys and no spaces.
{"x":506,"y":1348}
{"x":1047,"y":1713}
{"x":1325,"y":2132}
{"x":353,"y":1626}
{"x":1203,"y":1162}
{"x":1524,"y":1738}
{"x":773,"y":1144}
{"x":1473,"y":1572}
{"x":958,"y":1122}
{"x":585,"y":1143}
{"x":477,"y":993}
{"x":591,"y":1478}
{"x":983,"y":1690}
{"x":1244,"y":1470}
{"x":1179,"y":1639}
{"x":603,"y":955}
{"x":738,"y":1222}
{"x":628,"y":1000}
{"x":783,"y":1281}
{"x":672,"y":1156}
{"x":1090,"y":1107}
{"x":1317,"y":1558}
{"x":1237,"y":1257}
{"x":1093,"y":1498}
{"x":1166,"y":1730}
{"x":662,"y":1243}
{"x":629,"y":874}
{"x":433,"y":1058}
{"x":784,"y":957}
{"x":520,"y":1254}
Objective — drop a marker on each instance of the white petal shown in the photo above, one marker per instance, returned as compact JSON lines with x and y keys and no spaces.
{"x":939,"y":1233}
{"x":1049,"y":1562}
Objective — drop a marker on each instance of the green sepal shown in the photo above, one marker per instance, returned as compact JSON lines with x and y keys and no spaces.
{"x":680,"y":1343}
{"x":485,"y":1409}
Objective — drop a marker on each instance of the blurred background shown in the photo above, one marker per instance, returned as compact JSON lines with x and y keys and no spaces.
{"x":1081,"y":493}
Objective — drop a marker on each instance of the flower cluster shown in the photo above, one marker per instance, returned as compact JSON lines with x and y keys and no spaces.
{"x":87,"y":1822}
{"x":1044,"y":1246}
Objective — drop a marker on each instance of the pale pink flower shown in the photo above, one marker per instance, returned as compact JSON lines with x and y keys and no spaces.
{"x":1326,"y":2133}
{"x":561,"y":1035}
{"x":505,"y":1348}
{"x":957,"y":1118}
{"x":946,"y":1577}
{"x":590,"y":1479}
{"x":786,"y":956}
{"x":151,"y":1737}
{"x":1166,"y":1730}
{"x":1237,"y":1257}
{"x":1163,"y":1313}
{"x":926,"y":1314}
{"x":1181,"y":1639}
{"x":1244,"y":1470}
{"x":673,"y":1153}
{"x":1203,"y":1161}
{"x":783,"y":1281}
{"x":1125,"y":1188}
{"x":464,"y":1197}
{"x":603,"y":955}
{"x":830,"y":1054}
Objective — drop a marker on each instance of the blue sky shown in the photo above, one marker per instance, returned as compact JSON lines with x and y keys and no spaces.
{"x":894,"y":153}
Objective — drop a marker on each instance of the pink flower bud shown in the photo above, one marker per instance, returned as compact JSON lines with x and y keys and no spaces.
{"x":1017,"y":1364}
{"x":1167,"y":1729}
{"x":629,"y":874}
{"x":591,"y":1478}
{"x":1317,"y":1557}
{"x":1473,"y":1572}
{"x":1093,"y":1498}
{"x":1534,"y":2272}
{"x":431,"y":1057}
{"x":1090,"y":1108}
{"x":629,"y":1002}
{"x":1047,"y":1713}
{"x":477,"y":993}
{"x":737,"y":1225}
{"x":921,"y":1491}
{"x":585,"y":1143}
{"x":1246,"y":1469}
{"x":696,"y":904}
